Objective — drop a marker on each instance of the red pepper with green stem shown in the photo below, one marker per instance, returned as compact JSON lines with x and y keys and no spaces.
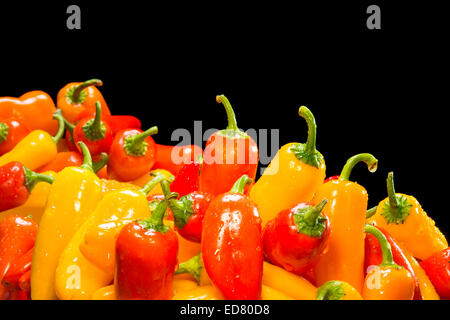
{"x":146,"y":257}
{"x":437,"y":268}
{"x":16,"y":183}
{"x":187,"y":179}
{"x":11,"y":132}
{"x":228,"y":155}
{"x":374,"y":256}
{"x":231,"y":244}
{"x":132,"y":154}
{"x":173,"y":158}
{"x":296,"y":238}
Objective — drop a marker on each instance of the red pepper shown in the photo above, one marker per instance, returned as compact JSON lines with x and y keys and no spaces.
{"x":331,"y":178}
{"x":173,"y":158}
{"x":16,"y":183}
{"x":122,"y":122}
{"x":188,"y":213}
{"x":228,"y":155}
{"x":437,"y":267}
{"x":62,"y":160}
{"x":231,"y":244}
{"x":24,"y":282}
{"x":146,"y":257}
{"x":310,"y":276}
{"x":11,"y":132}
{"x":187,"y":179}
{"x":297,"y":237}
{"x":374,"y":256}
{"x":17,"y":236}
{"x":132,"y":154}
{"x":17,"y":269}
{"x":95,"y":133}
{"x":19,"y":295}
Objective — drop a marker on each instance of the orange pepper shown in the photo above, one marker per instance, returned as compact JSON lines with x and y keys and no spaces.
{"x":346,"y":209}
{"x":34,"y":109}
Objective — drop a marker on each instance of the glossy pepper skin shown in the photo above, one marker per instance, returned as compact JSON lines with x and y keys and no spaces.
{"x":36,"y":149}
{"x":92,"y":248}
{"x":187,"y":179}
{"x":403,"y":217}
{"x":95,"y":133}
{"x":437,"y":267}
{"x":346,"y":209}
{"x":292,"y":177}
{"x":62,"y":160}
{"x":150,"y":248}
{"x":388,"y":280}
{"x":232,"y":244}
{"x":34,"y":109}
{"x":188,"y":214}
{"x":122,"y":122}
{"x":11,"y":132}
{"x":77,"y":100}
{"x":296,"y":238}
{"x":132,"y":154}
{"x":374,"y":256}
{"x":173,"y":158}
{"x":337,"y":290}
{"x":16,"y":183}
{"x":18,"y":273}
{"x":17,"y":236}
{"x":74,"y":195}
{"x":228,"y":155}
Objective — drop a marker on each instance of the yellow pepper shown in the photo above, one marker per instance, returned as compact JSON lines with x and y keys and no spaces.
{"x":337,"y":290}
{"x":182,"y":285}
{"x":200,"y":293}
{"x":73,"y":195}
{"x":37,"y":149}
{"x":346,"y":209}
{"x":91,"y":251}
{"x":403,"y":217}
{"x":105,"y":293}
{"x":293,"y":176}
{"x":35,"y":204}
{"x":142,"y":181}
{"x":268,"y":293}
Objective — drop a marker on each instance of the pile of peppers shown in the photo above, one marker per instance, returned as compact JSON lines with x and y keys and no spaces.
{"x":91,"y":207}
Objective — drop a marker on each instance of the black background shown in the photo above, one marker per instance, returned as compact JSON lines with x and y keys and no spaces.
{"x":378,"y":91}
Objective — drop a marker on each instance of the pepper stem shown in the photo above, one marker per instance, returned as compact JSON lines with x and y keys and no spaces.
{"x":135,"y":145}
{"x":388,"y":260}
{"x":306,"y":114}
{"x":393,"y":200}
{"x":193,"y":266}
{"x":240,"y":184}
{"x":311,"y":215}
{"x":78,"y":89}
{"x":371,"y":212}
{"x":94,"y":129}
{"x":87,"y":159}
{"x":330,"y":290}
{"x":370,"y":160}
{"x":61,"y":125}
{"x":32,"y":178}
{"x":152,"y":183}
{"x":98,"y":165}
{"x":232,"y":124}
{"x":4,"y":130}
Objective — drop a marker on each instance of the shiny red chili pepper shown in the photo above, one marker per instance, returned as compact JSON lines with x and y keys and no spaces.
{"x":132,"y":154}
{"x":121,"y":122}
{"x":16,"y":183}
{"x":187,"y":179}
{"x":374,"y":256}
{"x":437,"y":267}
{"x":17,"y":269}
{"x":228,"y":155}
{"x":62,"y":160}
{"x":331,"y":178}
{"x":297,"y":237}
{"x":146,"y":257}
{"x":173,"y":158}
{"x":231,"y":244}
{"x":188,"y":213}
{"x":11,"y":132}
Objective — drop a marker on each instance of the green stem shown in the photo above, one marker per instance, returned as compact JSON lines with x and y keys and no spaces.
{"x":152,"y":183}
{"x":313,"y":213}
{"x":98,"y":165}
{"x":87,"y":159}
{"x":95,"y":129}
{"x":232,"y":124}
{"x":156,"y":220}
{"x":371,"y":212}
{"x":58,"y":116}
{"x":388,"y":260}
{"x":4,"y":130}
{"x":193,"y":266}
{"x":370,"y":160}
{"x":135,"y":145}
{"x":330,"y":290}
{"x":78,"y":89}
{"x":32,"y":178}
{"x":240,"y":184}
{"x":306,"y":114}
{"x":393,"y":200}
